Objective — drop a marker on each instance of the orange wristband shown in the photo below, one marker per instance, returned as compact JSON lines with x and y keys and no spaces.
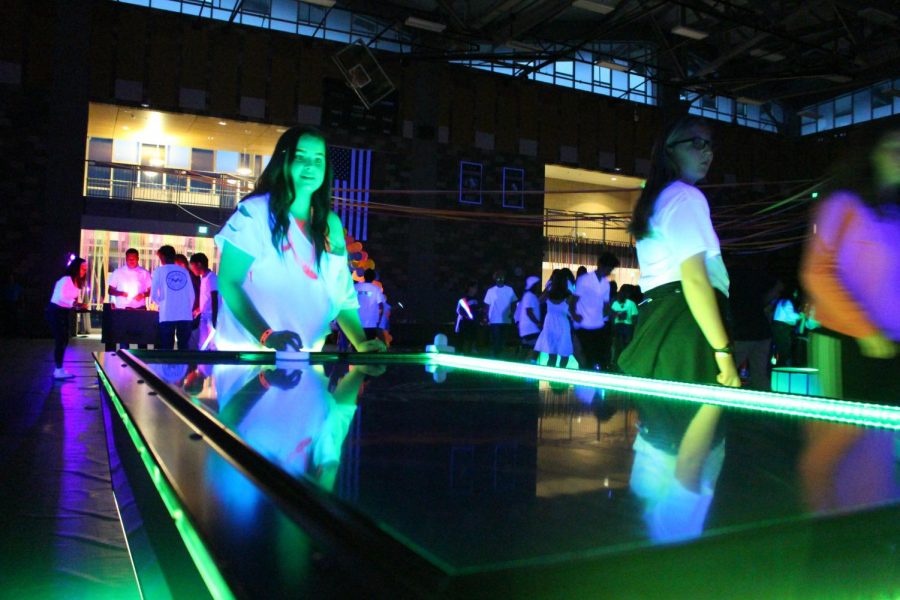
{"x":265,"y":335}
{"x":263,"y":381}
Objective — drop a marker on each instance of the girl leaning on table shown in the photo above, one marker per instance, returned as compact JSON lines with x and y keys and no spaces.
{"x":283,"y":274}
{"x":66,"y":297}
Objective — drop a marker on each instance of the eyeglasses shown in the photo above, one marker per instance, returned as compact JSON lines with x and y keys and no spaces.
{"x":697,"y":143}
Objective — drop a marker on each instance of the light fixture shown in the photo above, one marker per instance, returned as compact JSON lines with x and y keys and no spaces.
{"x":157,"y":162}
{"x":126,"y":127}
{"x":689,"y":32}
{"x":223,"y":123}
{"x":837,"y":78}
{"x":202,"y":229}
{"x":592,"y":6}
{"x":612,"y":66}
{"x":244,"y":171}
{"x":322,"y":3}
{"x":750,"y":101}
{"x":613,"y":178}
{"x":425,"y":24}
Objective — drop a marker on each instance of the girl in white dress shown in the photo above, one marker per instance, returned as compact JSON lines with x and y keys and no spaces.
{"x":556,"y":334}
{"x":283,"y":274}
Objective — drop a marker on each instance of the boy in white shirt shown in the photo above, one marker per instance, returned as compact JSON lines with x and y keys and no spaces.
{"x":208,"y":307}
{"x":371,"y":304}
{"x":171,"y":289}
{"x":500,"y":300}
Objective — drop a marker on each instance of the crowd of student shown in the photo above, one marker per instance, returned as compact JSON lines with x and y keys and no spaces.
{"x":284,"y":278}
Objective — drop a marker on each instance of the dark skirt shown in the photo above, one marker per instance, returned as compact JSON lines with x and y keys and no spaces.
{"x":845,"y":373}
{"x":668,"y":343}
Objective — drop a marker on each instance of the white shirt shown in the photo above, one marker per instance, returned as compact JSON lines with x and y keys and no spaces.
{"x":288,"y":288}
{"x":369,"y":297}
{"x":593,"y":294}
{"x":65,"y":292}
{"x":209,"y":283}
{"x":786,"y":313}
{"x":680,"y":227}
{"x":526,"y":325}
{"x":171,"y":289}
{"x":131,"y":281}
{"x":499,"y":301}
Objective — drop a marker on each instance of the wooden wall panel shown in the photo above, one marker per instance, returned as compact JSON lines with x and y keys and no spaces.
{"x":529,"y":111}
{"x":195,"y":57}
{"x":462,"y":120}
{"x":548,"y":116}
{"x":570,"y":119}
{"x":223,"y":87}
{"x":282,"y":98}
{"x":485,"y":102}
{"x":38,"y":68}
{"x":163,"y":70}
{"x":312,"y":73}
{"x":12,"y":36}
{"x":588,"y":130}
{"x":131,"y":44}
{"x":254,"y":63}
{"x":624,"y":135}
{"x":102,"y":51}
{"x":606,"y":125}
{"x":507,"y":107}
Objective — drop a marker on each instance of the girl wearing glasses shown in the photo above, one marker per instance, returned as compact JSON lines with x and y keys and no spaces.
{"x":681,"y":333}
{"x":283,"y":274}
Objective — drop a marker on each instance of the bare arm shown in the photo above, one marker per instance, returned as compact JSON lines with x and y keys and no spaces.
{"x":701,"y":299}
{"x":695,"y":445}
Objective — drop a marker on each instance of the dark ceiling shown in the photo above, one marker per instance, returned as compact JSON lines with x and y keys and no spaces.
{"x":788,"y":51}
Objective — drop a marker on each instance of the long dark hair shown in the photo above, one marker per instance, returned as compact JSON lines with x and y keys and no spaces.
{"x":857,"y":174}
{"x":663,"y":171}
{"x":74,"y":271}
{"x":559,"y":285}
{"x":276,"y":181}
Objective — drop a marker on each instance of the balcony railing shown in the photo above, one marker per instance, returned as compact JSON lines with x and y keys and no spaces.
{"x":159,"y":184}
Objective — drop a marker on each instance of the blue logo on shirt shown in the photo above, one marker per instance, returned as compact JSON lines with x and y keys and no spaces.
{"x":175,"y":280}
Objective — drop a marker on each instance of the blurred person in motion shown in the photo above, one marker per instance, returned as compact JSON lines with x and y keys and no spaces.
{"x":851,"y":272}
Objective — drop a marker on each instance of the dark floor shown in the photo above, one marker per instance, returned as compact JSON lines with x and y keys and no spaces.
{"x":60,"y":535}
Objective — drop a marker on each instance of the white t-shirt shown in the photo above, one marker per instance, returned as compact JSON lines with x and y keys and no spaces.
{"x":369,"y":297}
{"x":526,"y":325}
{"x":288,"y":288}
{"x":499,"y":301}
{"x":171,"y":289}
{"x":680,"y":227}
{"x":209,"y":283}
{"x":131,"y":281}
{"x":65,"y":292}
{"x":593,"y":295}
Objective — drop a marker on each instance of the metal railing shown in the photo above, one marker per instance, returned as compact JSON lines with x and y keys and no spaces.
{"x":160,"y":184}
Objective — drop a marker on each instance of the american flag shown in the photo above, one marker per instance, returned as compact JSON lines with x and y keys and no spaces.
{"x":351,"y":168}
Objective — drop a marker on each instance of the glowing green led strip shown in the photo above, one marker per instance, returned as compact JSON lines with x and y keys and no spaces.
{"x":857,"y":413}
{"x":205,"y":564}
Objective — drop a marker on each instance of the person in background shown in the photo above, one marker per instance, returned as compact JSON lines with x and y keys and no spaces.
{"x":592,"y":291}
{"x":207,"y":306}
{"x":172,"y":291}
{"x":850,"y":270}
{"x":469,"y":315}
{"x":499,"y":300}
{"x":66,"y":296}
{"x":129,"y":288}
{"x":555,"y":338}
{"x":182,"y":261}
{"x":283,"y":273}
{"x":752,"y":291}
{"x":129,"y":284}
{"x":384,"y":325}
{"x":582,"y":270}
{"x":624,"y":311}
{"x":528,"y":317}
{"x":784,"y":324}
{"x":371,"y":303}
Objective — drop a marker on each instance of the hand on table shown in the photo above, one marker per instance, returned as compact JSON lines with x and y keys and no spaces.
{"x":282,"y":378}
{"x":284,"y":340}
{"x":877,"y":346}
{"x":728,"y":373}
{"x":371,"y":346}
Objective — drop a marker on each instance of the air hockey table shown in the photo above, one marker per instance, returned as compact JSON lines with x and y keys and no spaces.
{"x":243,"y":475}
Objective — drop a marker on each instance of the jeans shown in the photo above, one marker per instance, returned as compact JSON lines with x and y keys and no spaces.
{"x":169,"y":330}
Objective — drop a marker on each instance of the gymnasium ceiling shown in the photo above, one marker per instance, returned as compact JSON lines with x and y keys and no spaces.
{"x":794,"y":52}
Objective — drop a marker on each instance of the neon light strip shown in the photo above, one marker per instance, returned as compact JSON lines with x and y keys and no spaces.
{"x":857,"y":413}
{"x":204,"y":562}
